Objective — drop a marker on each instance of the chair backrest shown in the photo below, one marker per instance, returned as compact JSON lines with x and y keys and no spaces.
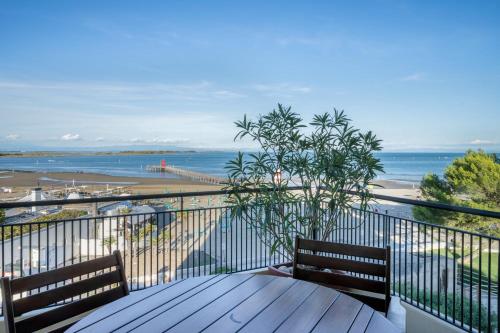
{"x":105,"y":273}
{"x":362,"y":272}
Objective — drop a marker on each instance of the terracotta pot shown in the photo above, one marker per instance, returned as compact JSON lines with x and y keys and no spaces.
{"x":274,"y":270}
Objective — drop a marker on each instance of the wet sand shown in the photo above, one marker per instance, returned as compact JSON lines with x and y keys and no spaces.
{"x":19,"y":178}
{"x":22,"y":182}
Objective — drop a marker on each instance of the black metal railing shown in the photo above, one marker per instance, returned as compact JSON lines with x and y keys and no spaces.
{"x":449,"y":273}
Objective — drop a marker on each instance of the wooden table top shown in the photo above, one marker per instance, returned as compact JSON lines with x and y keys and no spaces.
{"x":237,"y":302}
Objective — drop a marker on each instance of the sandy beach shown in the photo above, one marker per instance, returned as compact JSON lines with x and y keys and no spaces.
{"x":21,"y":182}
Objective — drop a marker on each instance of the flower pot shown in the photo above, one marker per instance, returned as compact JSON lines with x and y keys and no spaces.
{"x":283,"y":269}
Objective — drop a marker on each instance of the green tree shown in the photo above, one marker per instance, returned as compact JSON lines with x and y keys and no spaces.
{"x":67,"y":214}
{"x":471,"y":181}
{"x":2,"y":216}
{"x":326,"y":159}
{"x":17,"y":230}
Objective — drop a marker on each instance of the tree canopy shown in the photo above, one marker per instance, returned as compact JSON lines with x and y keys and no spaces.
{"x":326,"y":158}
{"x":471,"y":181}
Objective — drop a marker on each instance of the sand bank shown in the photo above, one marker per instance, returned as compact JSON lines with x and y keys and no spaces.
{"x":21,"y":182}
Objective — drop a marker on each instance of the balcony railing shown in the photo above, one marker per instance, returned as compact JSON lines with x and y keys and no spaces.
{"x":449,"y":273}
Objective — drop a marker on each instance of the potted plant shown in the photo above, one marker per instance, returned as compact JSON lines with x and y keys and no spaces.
{"x":324,"y":161}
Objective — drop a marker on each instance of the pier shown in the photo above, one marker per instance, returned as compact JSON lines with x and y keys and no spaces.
{"x":198,"y":176}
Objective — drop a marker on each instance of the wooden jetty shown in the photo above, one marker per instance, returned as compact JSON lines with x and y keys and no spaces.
{"x":198,"y":176}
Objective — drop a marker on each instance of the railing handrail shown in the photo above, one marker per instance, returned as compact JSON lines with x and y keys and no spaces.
{"x":421,"y":203}
{"x":7,"y":205}
{"x":437,"y":205}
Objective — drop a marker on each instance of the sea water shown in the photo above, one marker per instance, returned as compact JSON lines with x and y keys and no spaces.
{"x":406,"y":167}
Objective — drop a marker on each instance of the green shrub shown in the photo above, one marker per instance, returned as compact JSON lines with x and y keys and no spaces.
{"x":446,"y":305}
{"x":16,"y":230}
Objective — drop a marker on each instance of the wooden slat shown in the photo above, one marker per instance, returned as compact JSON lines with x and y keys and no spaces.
{"x":52,"y":317}
{"x":183,"y":310}
{"x":379,"y":323}
{"x":388,"y":279}
{"x":362,"y":320}
{"x":376,"y":303}
{"x":243,"y":313}
{"x":237,"y":302}
{"x":346,"y":249}
{"x":121,"y":268}
{"x":154,"y":307}
{"x":7,"y":306}
{"x":334,"y":279}
{"x":273,"y":315}
{"x":342,"y":264}
{"x":143,"y":305}
{"x":52,"y":296}
{"x":125,"y":302}
{"x":61,"y":329}
{"x":307,"y":315}
{"x":197,"y":321}
{"x":61,"y":274}
{"x":340,"y":316}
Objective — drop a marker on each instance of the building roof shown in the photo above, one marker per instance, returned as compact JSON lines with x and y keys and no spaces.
{"x":74,"y":195}
{"x":43,"y":196}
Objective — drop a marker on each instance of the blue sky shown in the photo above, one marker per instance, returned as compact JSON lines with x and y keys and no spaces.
{"x":422,"y":75}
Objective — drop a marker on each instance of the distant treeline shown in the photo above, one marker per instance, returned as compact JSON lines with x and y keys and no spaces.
{"x":98,"y":153}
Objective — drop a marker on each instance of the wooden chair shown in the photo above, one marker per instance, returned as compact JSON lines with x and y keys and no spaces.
{"x":113,"y":282}
{"x":366,"y":278}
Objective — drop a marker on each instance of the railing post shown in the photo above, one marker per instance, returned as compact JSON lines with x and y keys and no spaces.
{"x":316,"y":223}
{"x":387,"y":231}
{"x":182,"y":239}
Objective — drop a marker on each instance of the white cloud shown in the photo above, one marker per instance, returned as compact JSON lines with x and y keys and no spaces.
{"x":481,"y":142}
{"x":71,"y":137}
{"x":12,"y":137}
{"x":99,"y":139}
{"x":281,"y":89}
{"x":158,"y":141}
{"x":108,"y":93}
{"x":226,"y":94}
{"x":169,"y":141}
{"x":414,"y":77}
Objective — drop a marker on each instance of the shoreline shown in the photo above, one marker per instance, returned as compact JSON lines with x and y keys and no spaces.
{"x":26,"y":178}
{"x":16,"y":185}
{"x":22,"y":177}
{"x":21,"y":182}
{"x":58,"y":185}
{"x":48,"y":153}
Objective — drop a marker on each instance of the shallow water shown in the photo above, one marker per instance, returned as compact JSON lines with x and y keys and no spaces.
{"x":407,"y":167}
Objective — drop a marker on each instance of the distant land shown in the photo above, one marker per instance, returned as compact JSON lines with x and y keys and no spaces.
{"x":97,"y":153}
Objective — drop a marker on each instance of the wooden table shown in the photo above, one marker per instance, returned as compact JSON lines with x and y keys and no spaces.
{"x":237,"y":302}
